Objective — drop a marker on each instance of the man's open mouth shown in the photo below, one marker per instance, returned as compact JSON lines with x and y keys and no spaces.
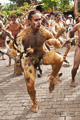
{"x":38,"y":26}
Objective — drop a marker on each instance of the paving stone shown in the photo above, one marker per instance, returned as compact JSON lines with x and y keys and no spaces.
{"x":72,"y":118}
{"x":57,"y":118}
{"x":62,"y":104}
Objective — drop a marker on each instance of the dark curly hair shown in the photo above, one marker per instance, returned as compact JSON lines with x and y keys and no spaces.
{"x":13,"y":16}
{"x":31,"y":13}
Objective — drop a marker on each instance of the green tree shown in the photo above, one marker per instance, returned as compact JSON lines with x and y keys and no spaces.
{"x":21,"y":2}
{"x":61,"y":5}
{"x":9,"y":6}
{"x":49,"y":4}
{"x":65,"y":5}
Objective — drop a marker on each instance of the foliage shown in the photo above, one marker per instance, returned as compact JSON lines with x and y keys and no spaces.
{"x":4,"y":13}
{"x":61,"y":5}
{"x":7,"y":9}
{"x":9,"y":6}
{"x":13,"y":7}
{"x":21,"y":2}
{"x":17,"y":12}
{"x":49,"y":4}
{"x":26,"y":5}
{"x":65,"y":5}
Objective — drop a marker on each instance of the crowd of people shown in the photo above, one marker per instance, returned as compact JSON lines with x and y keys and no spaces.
{"x":27,"y":40}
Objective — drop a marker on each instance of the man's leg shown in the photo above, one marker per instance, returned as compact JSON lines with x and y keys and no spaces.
{"x":30,"y":73}
{"x":66,"y":52}
{"x":75,"y":66}
{"x":9,"y":62}
{"x":56,"y":61}
{"x":3,"y":56}
{"x":9,"y":55}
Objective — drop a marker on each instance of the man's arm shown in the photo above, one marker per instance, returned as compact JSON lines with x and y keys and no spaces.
{"x":7,"y":27}
{"x":45,"y":21}
{"x":53,"y":29}
{"x":21,"y":27}
{"x":76,"y":8}
{"x":51,"y":41}
{"x":59,"y":32}
{"x":74,"y":29}
{"x":9,"y":35}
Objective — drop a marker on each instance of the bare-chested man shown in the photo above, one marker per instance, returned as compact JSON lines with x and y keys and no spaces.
{"x":59,"y":32}
{"x":14,"y":27}
{"x":33,"y":39}
{"x":3,"y":35}
{"x":77,"y":51}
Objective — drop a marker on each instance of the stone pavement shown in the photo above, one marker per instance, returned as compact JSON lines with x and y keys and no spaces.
{"x":62,"y":104}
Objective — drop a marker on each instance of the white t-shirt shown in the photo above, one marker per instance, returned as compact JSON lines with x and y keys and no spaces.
{"x":69,"y":23}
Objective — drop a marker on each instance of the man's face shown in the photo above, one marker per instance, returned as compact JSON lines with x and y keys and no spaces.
{"x":59,"y":17}
{"x":13,"y":19}
{"x":35,"y":22}
{"x":70,"y":18}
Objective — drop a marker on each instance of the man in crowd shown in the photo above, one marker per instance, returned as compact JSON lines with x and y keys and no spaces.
{"x":14,"y":27}
{"x":33,"y":39}
{"x":3,"y":35}
{"x":59,"y":32}
{"x":77,"y":51}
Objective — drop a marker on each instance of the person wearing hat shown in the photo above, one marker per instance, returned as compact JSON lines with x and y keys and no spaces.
{"x":70,"y":22}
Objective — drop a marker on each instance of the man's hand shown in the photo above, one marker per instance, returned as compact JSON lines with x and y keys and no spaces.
{"x":30,"y":50}
{"x":67,"y":42}
{"x":54,"y":42}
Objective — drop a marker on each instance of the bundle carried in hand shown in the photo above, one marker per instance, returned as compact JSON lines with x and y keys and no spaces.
{"x":61,"y":31}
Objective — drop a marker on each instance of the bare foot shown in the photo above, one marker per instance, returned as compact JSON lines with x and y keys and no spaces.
{"x":35,"y":107}
{"x":51,"y":87}
{"x":73,"y":84}
{"x":8,"y":65}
